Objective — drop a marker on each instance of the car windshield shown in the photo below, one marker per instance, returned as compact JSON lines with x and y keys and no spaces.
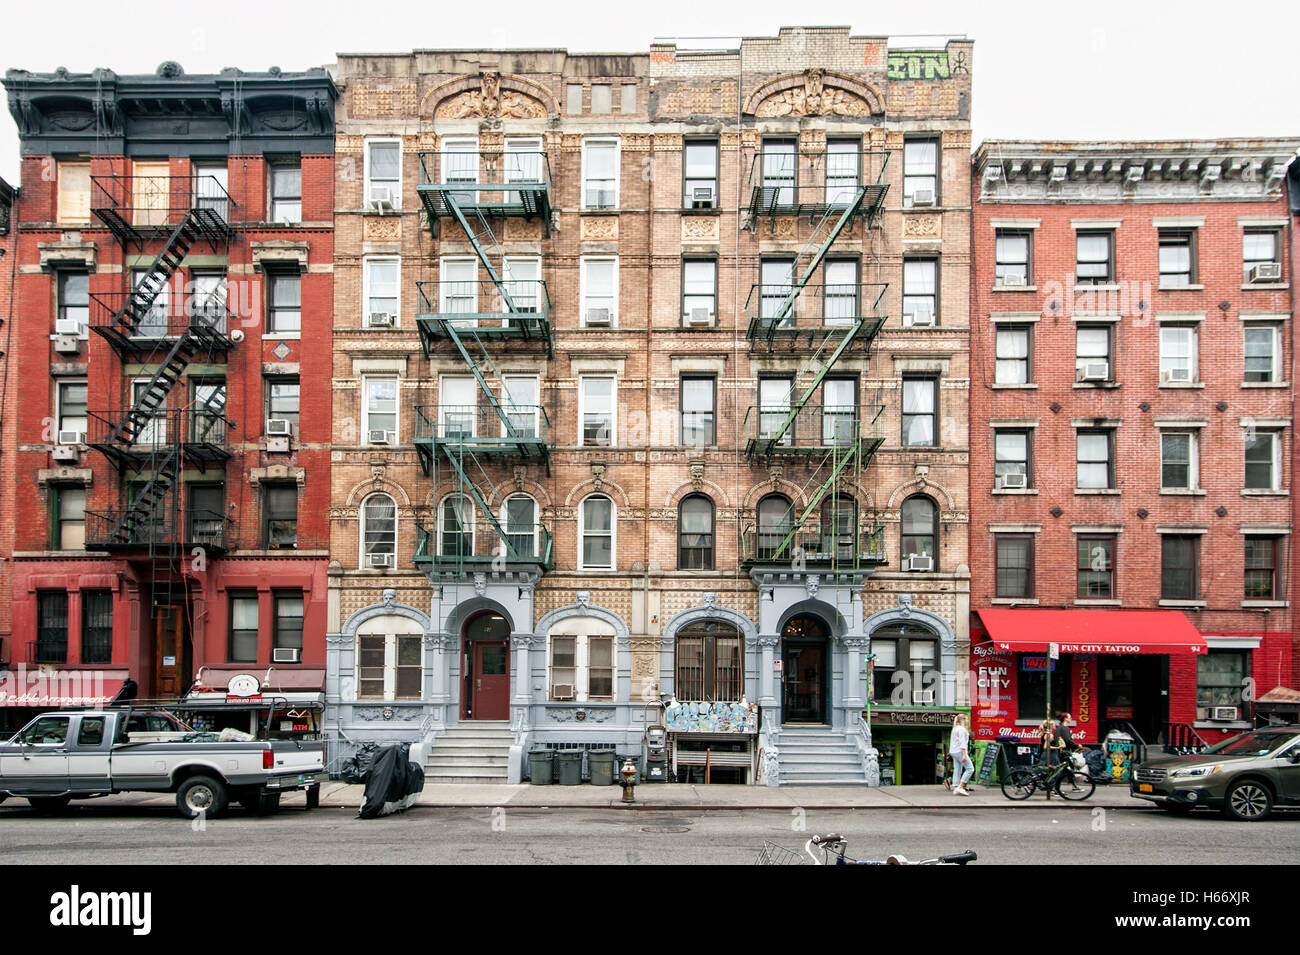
{"x":1253,"y":744}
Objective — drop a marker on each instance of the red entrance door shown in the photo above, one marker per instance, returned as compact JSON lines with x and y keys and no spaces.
{"x":486,"y":658}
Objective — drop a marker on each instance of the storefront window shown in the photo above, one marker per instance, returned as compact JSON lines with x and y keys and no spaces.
{"x":1220,"y":675}
{"x":912,"y":682}
{"x":1031,"y":700}
{"x":709,"y":663}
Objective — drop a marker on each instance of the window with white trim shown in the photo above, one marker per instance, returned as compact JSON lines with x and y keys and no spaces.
{"x":600,"y":172}
{"x":384,"y":172}
{"x":1178,"y":461}
{"x":597,"y":411}
{"x":379,"y":410}
{"x":519,"y":521}
{"x":1263,"y":460}
{"x":580,"y":666}
{"x":383,"y":299}
{"x":599,"y":276}
{"x":1263,"y":353}
{"x":596,"y":544}
{"x":1177,"y":354}
{"x":378,"y":531}
{"x":456,"y":526}
{"x":389,"y":665}
{"x":70,"y":411}
{"x":1220,"y":677}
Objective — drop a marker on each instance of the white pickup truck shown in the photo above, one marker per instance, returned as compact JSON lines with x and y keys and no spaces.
{"x":76,"y":754}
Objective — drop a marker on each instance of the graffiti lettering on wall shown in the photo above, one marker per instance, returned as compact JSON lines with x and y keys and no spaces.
{"x":918,"y":66}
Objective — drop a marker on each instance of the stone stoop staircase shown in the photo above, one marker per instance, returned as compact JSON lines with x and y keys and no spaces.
{"x":818,"y":756}
{"x":473,"y":752}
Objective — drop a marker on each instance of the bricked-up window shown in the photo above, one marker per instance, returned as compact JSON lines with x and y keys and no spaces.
{"x":69,"y":517}
{"x":1261,"y":567}
{"x":96,"y":626}
{"x":283,"y":303}
{"x":286,"y":191}
{"x":599,"y":277}
{"x":1013,"y":258}
{"x":581,"y":667}
{"x":597,"y":544}
{"x":1178,"y":354}
{"x":602,"y":100}
{"x":695,"y":533}
{"x":1220,"y":677}
{"x":282,"y":402}
{"x":389,"y":666}
{"x":1261,"y":256}
{"x":597,"y":400}
{"x":710,"y":663}
{"x":71,"y":411}
{"x":74,"y":191}
{"x":384,"y":173}
{"x":1094,"y":258}
{"x":627,"y":98}
{"x":573,"y":98}
{"x":1263,"y":460}
{"x":920,"y":292}
{"x":1178,"y":462}
{"x":920,"y":412}
{"x":920,"y":527}
{"x":280,"y":516}
{"x":1096,"y":568}
{"x":920,"y":172}
{"x":73,"y":302}
{"x":600,"y":173}
{"x":1012,"y":458}
{"x":243,"y":628}
{"x":1177,"y":258}
{"x":1015,"y":565}
{"x":51,"y":626}
{"x":1012,"y":364}
{"x":1092,"y":358}
{"x":1094,"y":459}
{"x":1262,"y":353}
{"x":378,"y":531}
{"x":383,"y":300}
{"x":699,"y":292}
{"x":700,"y":174}
{"x":698,"y":401}
{"x":288,"y":621}
{"x":379,"y":410}
{"x":1178,"y":566}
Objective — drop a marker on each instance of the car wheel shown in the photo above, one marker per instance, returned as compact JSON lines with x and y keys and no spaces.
{"x":1249,"y":801}
{"x":201,"y":796}
{"x":50,"y":804}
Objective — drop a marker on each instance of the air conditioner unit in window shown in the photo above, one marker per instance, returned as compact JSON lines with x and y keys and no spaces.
{"x":66,"y":344}
{"x":702,"y":197}
{"x":1008,"y":481}
{"x":597,"y":316}
{"x":278,"y":426}
{"x":699,"y":316}
{"x":381,"y":199}
{"x":67,"y":326}
{"x":562,"y":691}
{"x":1223,"y":713}
{"x":1178,"y":374}
{"x":1093,"y":371}
{"x":379,"y":560}
{"x":286,"y":655}
{"x":923,"y":197}
{"x":1012,"y":279}
{"x":380,"y":437}
{"x":1266,"y":272}
{"x":920,"y":562}
{"x":381,"y":319}
{"x":66,"y":453}
{"x":72,"y":437}
{"x":920,"y":315}
{"x":923,"y":696}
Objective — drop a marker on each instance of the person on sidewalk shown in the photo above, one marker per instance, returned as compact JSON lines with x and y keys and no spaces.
{"x":959,"y":748}
{"x":1063,"y":743}
{"x":1050,"y":756}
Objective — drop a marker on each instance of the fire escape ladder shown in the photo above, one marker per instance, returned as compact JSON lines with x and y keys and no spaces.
{"x":841,"y":462}
{"x":454,"y":456}
{"x":146,"y":407}
{"x":164,"y":266}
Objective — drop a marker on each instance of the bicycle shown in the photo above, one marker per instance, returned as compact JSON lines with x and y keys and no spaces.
{"x":1023,"y":783}
{"x":832,"y":847}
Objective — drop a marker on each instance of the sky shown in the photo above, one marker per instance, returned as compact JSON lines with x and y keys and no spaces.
{"x":1098,"y":70}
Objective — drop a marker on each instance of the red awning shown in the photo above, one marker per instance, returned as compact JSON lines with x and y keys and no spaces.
{"x":53,"y":689}
{"x":1030,"y":630}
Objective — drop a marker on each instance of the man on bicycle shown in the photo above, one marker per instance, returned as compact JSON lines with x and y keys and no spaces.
{"x":1063,"y":744}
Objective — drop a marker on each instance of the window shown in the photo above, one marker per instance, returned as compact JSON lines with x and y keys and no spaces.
{"x":839,"y":523}
{"x":74,"y":191}
{"x":774,"y":404}
{"x":699,"y":291}
{"x":458,"y":289}
{"x":51,"y":626}
{"x":1178,"y":460}
{"x":243,"y":628}
{"x":378,"y":531}
{"x":1220,"y":677}
{"x":380,"y":410}
{"x":96,"y":626}
{"x":73,"y":304}
{"x":602,"y":99}
{"x":1263,"y":460}
{"x":519,"y":520}
{"x":599,"y":292}
{"x":460,"y":162}
{"x":920,"y":527}
{"x":47,"y":731}
{"x":904,"y":667}
{"x":280,"y":516}
{"x":1177,"y":258}
{"x":522,"y":405}
{"x":920,"y":412}
{"x":627,"y":98}
{"x":155,"y":431}
{"x":775,"y":517}
{"x":1178,"y":571}
{"x":695,"y":533}
{"x":71,"y":410}
{"x":841,"y":171}
{"x":710,"y":663}
{"x":581,"y":667}
{"x":283,"y":303}
{"x":212,"y":186}
{"x":522,"y":275}
{"x":1012,"y":355}
{"x":597,"y":545}
{"x":600,"y":172}
{"x":286,"y":192}
{"x":920,"y":292}
{"x":288,"y":621}
{"x":91,"y":730}
{"x":1177,"y":354}
{"x":573,"y":98}
{"x":1094,"y":468}
{"x":839,"y":411}
{"x":597,"y":398}
{"x":1012,"y":258}
{"x":840,"y":293}
{"x":1011,"y":459}
{"x":1261,"y":256}
{"x":69,"y":517}
{"x":384,"y":172}
{"x":282,"y":401}
{"x":1261,"y":568}
{"x":1015,"y":565}
{"x":1094,"y":260}
{"x":920,"y":172}
{"x":1092,"y":353}
{"x":776,"y":282}
{"x":206,"y":304}
{"x":205,"y":516}
{"x":697,"y":404}
{"x":389,"y":666}
{"x":1262,"y":353}
{"x":1095,"y":568}
{"x":383,"y":302}
{"x":1032,"y":690}
{"x":456,"y":527}
{"x":457,"y":406}
{"x":700,"y":175}
{"x":779,"y":166}
{"x":150,"y":192}
{"x":207,"y":411}
{"x":153,"y":323}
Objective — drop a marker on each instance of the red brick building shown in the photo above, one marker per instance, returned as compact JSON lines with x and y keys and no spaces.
{"x":8,"y":402}
{"x":1131,"y":434}
{"x":173,"y":243}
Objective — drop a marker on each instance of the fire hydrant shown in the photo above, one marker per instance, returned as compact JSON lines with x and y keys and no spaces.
{"x":627,"y":778}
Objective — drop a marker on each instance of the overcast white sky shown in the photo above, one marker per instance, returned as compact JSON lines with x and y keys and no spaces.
{"x":1067,"y":70}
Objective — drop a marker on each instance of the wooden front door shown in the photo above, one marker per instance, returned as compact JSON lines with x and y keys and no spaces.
{"x":169,"y":643}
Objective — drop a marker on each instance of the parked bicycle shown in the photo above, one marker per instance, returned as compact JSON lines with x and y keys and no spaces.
{"x":1070,"y":780}
{"x":832,"y":848}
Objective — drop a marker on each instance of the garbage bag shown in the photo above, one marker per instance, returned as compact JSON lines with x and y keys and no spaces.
{"x":393,"y":783}
{"x":355,"y":769}
{"x":1096,"y":761}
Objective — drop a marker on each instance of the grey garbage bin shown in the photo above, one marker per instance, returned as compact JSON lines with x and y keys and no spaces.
{"x":568,"y":768}
{"x":600,"y":765}
{"x":541,"y":767}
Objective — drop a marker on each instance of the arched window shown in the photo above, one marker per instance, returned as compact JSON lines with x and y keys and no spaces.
{"x":839,"y":526}
{"x":596,"y":544}
{"x":378,"y":531}
{"x":695,"y":533}
{"x":920,"y":534}
{"x":456,"y":527}
{"x":710,"y":663}
{"x":775,"y":515}
{"x":519,"y":520}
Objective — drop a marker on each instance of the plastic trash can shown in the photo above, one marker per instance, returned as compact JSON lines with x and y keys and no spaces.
{"x":568,"y":768}
{"x":600,"y":765}
{"x":541,"y":767}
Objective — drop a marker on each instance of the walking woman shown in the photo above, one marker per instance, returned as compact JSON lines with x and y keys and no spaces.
{"x":959,"y":748}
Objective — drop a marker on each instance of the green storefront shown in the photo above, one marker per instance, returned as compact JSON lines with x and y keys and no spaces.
{"x":912,"y":742}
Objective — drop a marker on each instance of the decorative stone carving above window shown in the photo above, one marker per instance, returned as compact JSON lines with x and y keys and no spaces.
{"x":68,"y":253}
{"x":279,"y":253}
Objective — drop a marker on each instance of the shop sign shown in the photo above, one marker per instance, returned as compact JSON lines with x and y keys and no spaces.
{"x":1119,"y":712}
{"x":244,"y":686}
{"x":911,"y":717}
{"x":1037,"y":664}
{"x":1083,"y":692}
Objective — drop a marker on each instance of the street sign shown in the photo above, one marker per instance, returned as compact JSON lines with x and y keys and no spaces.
{"x":1054,"y":651}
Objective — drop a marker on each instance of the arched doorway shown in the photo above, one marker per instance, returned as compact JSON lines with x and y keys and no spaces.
{"x":485,"y":668}
{"x":805,"y":670}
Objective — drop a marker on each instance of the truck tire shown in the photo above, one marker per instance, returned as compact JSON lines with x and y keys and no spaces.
{"x":49,"y":804}
{"x":201,"y":795}
{"x":313,"y":797}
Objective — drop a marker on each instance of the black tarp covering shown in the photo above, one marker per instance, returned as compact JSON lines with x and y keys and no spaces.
{"x":393,"y":782}
{"x":355,"y":769}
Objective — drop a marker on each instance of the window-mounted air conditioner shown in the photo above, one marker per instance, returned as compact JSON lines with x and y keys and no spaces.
{"x":1093,"y":371}
{"x":1223,"y":713}
{"x":380,"y":437}
{"x":919,"y":562}
{"x":923,"y":197}
{"x":1266,"y":272}
{"x":562,"y":691}
{"x":1178,"y":374}
{"x":72,"y":437}
{"x":1012,"y":279}
{"x":1010,"y":481}
{"x":597,"y":316}
{"x":67,"y":326}
{"x":702,"y":197}
{"x":286,"y":655}
{"x":381,"y":319}
{"x":379,"y":560}
{"x":920,"y":315}
{"x":381,"y":199}
{"x":699,"y":316}
{"x":278,"y":426}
